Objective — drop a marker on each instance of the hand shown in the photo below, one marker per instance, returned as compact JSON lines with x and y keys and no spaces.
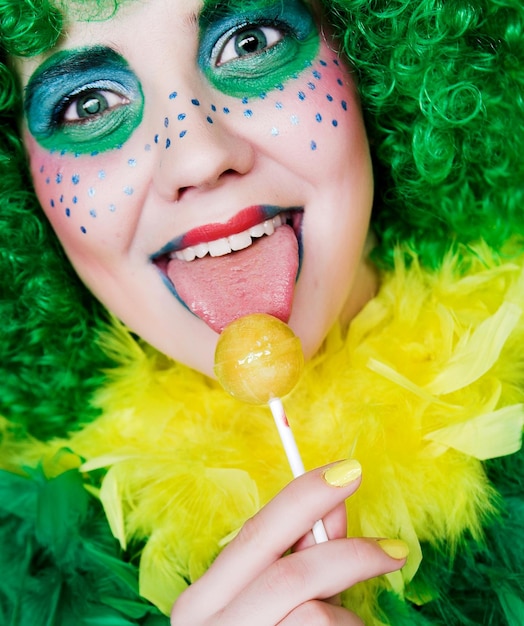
{"x":251,"y":582}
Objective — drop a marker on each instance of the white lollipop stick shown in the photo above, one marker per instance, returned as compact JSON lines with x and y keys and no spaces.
{"x":293,"y":456}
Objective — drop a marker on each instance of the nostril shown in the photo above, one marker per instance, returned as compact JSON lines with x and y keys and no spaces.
{"x":181,"y":192}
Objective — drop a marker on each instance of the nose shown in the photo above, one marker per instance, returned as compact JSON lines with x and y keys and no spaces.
{"x":197,"y":150}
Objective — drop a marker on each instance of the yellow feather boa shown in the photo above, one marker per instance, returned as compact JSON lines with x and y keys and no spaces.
{"x":428,"y":382}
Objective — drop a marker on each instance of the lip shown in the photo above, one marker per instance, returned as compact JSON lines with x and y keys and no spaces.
{"x":245,"y":219}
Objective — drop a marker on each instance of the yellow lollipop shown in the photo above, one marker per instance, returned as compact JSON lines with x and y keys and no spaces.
{"x":258,"y":359}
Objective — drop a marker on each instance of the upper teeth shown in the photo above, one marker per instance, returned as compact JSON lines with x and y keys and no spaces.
{"x":223,"y":246}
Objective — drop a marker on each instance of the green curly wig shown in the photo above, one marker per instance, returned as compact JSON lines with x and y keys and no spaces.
{"x":442,"y":84}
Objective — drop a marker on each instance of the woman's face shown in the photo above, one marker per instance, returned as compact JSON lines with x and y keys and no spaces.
{"x":201,"y":163}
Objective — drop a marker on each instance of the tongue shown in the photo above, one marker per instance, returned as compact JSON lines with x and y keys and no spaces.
{"x":258,"y":279}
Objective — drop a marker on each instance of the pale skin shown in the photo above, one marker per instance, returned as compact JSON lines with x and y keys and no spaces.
{"x":188,"y":152}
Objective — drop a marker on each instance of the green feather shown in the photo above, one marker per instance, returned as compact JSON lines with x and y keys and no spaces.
{"x":60,"y":564}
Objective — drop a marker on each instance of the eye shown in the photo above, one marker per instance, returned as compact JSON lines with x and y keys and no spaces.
{"x":249,"y":40}
{"x":91,"y":104}
{"x":83,"y":101}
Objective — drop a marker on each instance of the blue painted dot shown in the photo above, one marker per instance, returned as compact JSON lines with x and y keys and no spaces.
{"x":318,"y":117}
{"x":91,"y":192}
{"x":58,"y":178}
{"x":183,"y":134}
{"x":41,"y":169}
{"x":248,"y":113}
{"x":92,"y":213}
{"x":147,"y":147}
{"x":301,"y":95}
{"x":336,"y":62}
{"x":101,"y":174}
{"x":173,"y":95}
{"x":61,"y":198}
{"x":129,"y":191}
{"x":63,"y":151}
{"x":344,"y":105}
{"x":209,"y":119}
{"x":313,"y":145}
{"x":274,"y":131}
{"x":83,"y":230}
{"x":339,"y":81}
{"x":68,"y":212}
{"x":279,"y":105}
{"x":226,"y":110}
{"x":75,"y":200}
{"x":195,"y":102}
{"x":335,"y":123}
{"x":52,"y":203}
{"x":47,"y":180}
{"x":156,"y":138}
{"x":317,"y":74}
{"x":181,"y":116}
{"x":245,"y":100}
{"x":311,"y":86}
{"x":324,"y":63}
{"x":213,"y":108}
{"x":75,"y":179}
{"x":96,"y":152}
{"x":168,"y":143}
{"x":166,"y":122}
{"x":262,"y":95}
{"x":280,"y":87}
{"x":329,"y":97}
{"x":131,"y":162}
{"x":112,"y":208}
{"x":294,"y":120}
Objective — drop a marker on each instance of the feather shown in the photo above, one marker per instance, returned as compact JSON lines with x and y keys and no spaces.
{"x":486,"y":436}
{"x":59,"y":561}
{"x":476,"y":352}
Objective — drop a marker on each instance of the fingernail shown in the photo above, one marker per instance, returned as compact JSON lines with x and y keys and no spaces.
{"x":343,"y":473}
{"x":395,"y":548}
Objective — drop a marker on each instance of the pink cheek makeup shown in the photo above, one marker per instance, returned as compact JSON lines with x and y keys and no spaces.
{"x":80,"y":191}
{"x":313,"y":102}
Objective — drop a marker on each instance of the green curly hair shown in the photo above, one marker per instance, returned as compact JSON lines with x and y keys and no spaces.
{"x":442,"y":89}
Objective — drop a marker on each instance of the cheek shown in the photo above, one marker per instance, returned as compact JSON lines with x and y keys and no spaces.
{"x":314,"y":115}
{"x":88,"y":199}
{"x":316,"y":110}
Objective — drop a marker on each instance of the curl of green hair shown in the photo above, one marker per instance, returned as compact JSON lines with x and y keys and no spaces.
{"x":442,"y":84}
{"x":49,"y":322}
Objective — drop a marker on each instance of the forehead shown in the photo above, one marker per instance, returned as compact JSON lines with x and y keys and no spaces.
{"x":93,"y":22}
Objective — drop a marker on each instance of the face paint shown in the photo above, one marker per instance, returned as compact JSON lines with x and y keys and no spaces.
{"x":278,"y":138}
{"x":251,"y":51}
{"x":83,"y":101}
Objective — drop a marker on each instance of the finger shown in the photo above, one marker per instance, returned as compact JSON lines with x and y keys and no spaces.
{"x":335,"y":523}
{"x":319,"y":572}
{"x":275,"y":528}
{"x":321,"y":614}
{"x":336,"y":527}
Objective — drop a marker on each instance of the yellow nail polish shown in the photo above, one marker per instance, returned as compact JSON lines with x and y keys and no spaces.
{"x":343,"y":473}
{"x":395,"y":548}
